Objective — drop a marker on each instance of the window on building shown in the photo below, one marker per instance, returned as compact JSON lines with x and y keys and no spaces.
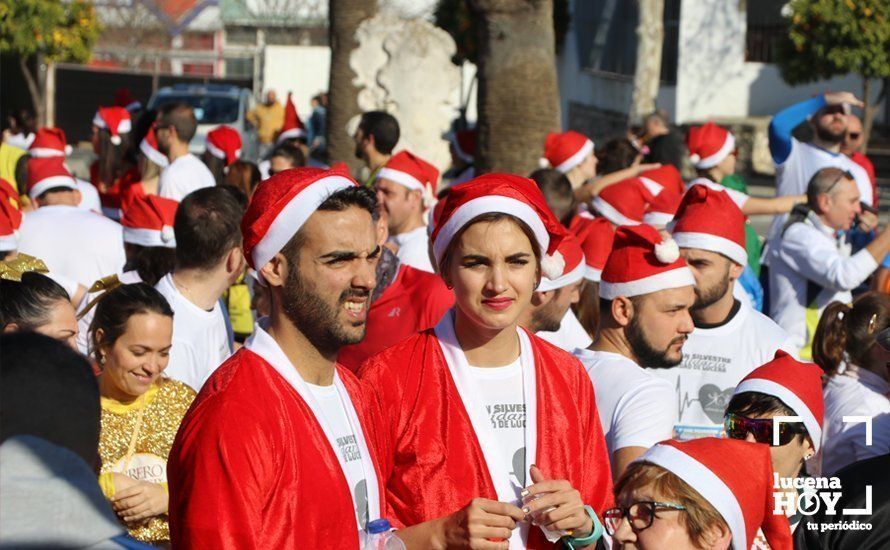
{"x":239,"y":67}
{"x":766,"y":26}
{"x":607,"y":39}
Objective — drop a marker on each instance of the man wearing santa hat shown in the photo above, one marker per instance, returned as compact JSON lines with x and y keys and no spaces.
{"x":79,"y":244}
{"x":51,"y":143}
{"x":646,"y":290}
{"x":730,"y":338}
{"x":275,"y":451}
{"x":174,"y":129}
{"x":406,"y":188}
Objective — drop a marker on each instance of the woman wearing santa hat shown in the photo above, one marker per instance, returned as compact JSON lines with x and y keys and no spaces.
{"x":783,"y":387}
{"x":112,"y":127}
{"x":493,"y":434}
{"x":705,"y":493}
{"x":223,"y":148}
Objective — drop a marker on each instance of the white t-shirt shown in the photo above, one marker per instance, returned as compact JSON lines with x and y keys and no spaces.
{"x":331,"y":404}
{"x":855,"y":392}
{"x":636,"y":408}
{"x":414,"y":249}
{"x":89,"y":196}
{"x":501,"y":391}
{"x":184,"y":175}
{"x":79,"y":244}
{"x":793,"y":175}
{"x":200,"y":339}
{"x":715,"y":360}
{"x":570,"y":336}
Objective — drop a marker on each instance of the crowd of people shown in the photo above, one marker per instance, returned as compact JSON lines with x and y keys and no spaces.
{"x":202,"y":351}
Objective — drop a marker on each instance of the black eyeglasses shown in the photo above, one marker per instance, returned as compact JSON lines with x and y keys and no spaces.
{"x":639,"y":514}
{"x":738,"y":427}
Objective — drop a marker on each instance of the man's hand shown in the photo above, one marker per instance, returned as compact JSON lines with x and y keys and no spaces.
{"x":482,"y":524}
{"x":839,"y":98}
{"x":559,"y":506}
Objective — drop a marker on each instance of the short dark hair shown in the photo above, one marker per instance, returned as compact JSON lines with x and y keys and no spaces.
{"x":753,"y":404}
{"x":383,"y":126}
{"x":181,"y":116}
{"x":28,"y":302}
{"x":358,"y":196}
{"x":616,"y":154}
{"x":207,"y":226}
{"x":117,"y":306}
{"x":150,"y":262}
{"x":48,"y":390}
{"x":290,"y":152}
{"x":557,"y":191}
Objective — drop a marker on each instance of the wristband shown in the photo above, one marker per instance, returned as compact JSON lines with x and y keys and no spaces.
{"x":571,"y":542}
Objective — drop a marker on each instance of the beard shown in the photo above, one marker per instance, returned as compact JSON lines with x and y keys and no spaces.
{"x":826,"y":134}
{"x":547,"y":318}
{"x":317,"y":319}
{"x":647,"y":355}
{"x":359,"y":154}
{"x":705,"y":297}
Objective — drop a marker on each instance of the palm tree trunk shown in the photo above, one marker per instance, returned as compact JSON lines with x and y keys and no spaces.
{"x":34,"y":89}
{"x":869,"y":110}
{"x":518,"y":99}
{"x":345,"y":18}
{"x":650,"y":36}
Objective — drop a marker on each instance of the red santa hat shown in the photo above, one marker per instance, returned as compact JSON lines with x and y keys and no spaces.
{"x":293,"y":126}
{"x":708,"y":145}
{"x":412,"y":172}
{"x":224,"y":142}
{"x":49,"y":142}
{"x":280,"y":207}
{"x":642,"y":262}
{"x":664,"y":177}
{"x":464,"y":143}
{"x":10,"y":217}
{"x":48,"y":173}
{"x":662,"y":209}
{"x":149,"y":148}
{"x":148,"y":220}
{"x":624,"y":203}
{"x":798,"y":385}
{"x":573,"y":268}
{"x":598,"y":236}
{"x":708,"y":219}
{"x":114,"y":119}
{"x":563,"y":151}
{"x":506,"y":194}
{"x":736,"y":478}
{"x":123,"y":97}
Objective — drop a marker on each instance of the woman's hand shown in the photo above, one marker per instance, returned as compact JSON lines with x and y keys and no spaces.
{"x":558,"y":507}
{"x":140,"y":502}
{"x":482,"y":524}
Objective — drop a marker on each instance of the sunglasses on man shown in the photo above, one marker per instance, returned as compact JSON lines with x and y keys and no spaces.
{"x":738,"y":427}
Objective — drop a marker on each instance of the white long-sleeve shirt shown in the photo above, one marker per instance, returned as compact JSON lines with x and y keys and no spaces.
{"x":810,"y":267}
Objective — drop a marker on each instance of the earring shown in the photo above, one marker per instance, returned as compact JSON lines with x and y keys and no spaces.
{"x":808,"y":456}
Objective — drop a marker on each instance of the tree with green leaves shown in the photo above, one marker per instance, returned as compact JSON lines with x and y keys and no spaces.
{"x":830,"y":38}
{"x":46,"y":32}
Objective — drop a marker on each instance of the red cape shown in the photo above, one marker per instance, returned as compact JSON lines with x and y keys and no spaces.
{"x":432,"y":463}
{"x":252,"y":468}
{"x":414,"y":301}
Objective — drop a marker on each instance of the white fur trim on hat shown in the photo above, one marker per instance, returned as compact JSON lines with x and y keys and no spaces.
{"x":667,"y":251}
{"x":149,"y":237}
{"x":716,"y":158}
{"x":566,"y":279}
{"x":216,"y":151}
{"x":485,"y":205}
{"x":769,"y":387}
{"x":402,"y":178}
{"x":46,"y":152}
{"x":593,"y":274}
{"x":675,"y":278}
{"x":609,"y":212}
{"x":294,"y":214}
{"x":293,"y":133}
{"x":708,"y":484}
{"x":712,"y":243}
{"x":99,"y":121}
{"x":153,"y":154}
{"x":576,"y":159}
{"x":657,"y":218}
{"x":653,"y":186}
{"x":8,"y":243}
{"x":48,"y":183}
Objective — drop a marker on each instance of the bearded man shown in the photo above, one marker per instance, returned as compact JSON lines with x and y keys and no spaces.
{"x":730,"y":338}
{"x":276,"y":451}
{"x":646,"y":291}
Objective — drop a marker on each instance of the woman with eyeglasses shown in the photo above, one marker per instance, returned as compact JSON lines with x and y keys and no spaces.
{"x":780,"y":404}
{"x":857,"y":378}
{"x":709,"y":493}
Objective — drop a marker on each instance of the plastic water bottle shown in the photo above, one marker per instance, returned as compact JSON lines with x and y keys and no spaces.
{"x":380,"y":536}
